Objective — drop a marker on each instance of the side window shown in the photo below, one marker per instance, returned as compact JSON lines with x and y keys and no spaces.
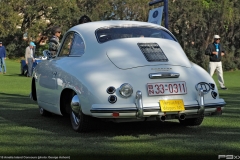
{"x":78,"y":46}
{"x":65,"y":49}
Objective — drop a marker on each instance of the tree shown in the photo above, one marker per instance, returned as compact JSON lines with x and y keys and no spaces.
{"x":9,"y":19}
{"x":35,"y":19}
{"x":193,"y":22}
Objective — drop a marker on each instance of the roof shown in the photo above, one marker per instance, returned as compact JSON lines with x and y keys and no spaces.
{"x":98,"y":24}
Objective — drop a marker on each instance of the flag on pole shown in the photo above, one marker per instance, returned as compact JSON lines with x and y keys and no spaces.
{"x":155,"y":15}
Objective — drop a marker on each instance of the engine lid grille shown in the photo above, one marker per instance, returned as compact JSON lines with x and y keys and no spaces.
{"x":152,"y":52}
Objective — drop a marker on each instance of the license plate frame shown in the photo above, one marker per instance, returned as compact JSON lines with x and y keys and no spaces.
{"x":166,"y":88}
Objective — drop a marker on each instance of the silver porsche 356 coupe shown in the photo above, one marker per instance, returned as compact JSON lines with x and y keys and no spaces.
{"x":123,"y":71}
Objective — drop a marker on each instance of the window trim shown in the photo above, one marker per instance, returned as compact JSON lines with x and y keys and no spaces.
{"x":64,"y":38}
{"x":128,"y":26}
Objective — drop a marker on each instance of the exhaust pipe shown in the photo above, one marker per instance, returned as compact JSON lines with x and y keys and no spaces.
{"x":182,"y":116}
{"x":161,"y":118}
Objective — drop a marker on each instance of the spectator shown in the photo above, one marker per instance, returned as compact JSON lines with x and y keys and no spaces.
{"x":54,"y":41}
{"x":30,"y":57}
{"x":84,"y":19}
{"x":2,"y":59}
{"x":215,"y":51}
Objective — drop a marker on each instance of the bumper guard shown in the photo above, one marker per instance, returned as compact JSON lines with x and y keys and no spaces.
{"x":139,"y":104}
{"x":201,"y":101}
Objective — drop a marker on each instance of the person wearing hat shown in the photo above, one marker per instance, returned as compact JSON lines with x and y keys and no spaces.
{"x":54,"y":41}
{"x":2,"y":59}
{"x":215,"y":51}
{"x":30,"y":57}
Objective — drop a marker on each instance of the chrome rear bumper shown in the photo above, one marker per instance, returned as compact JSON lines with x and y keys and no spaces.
{"x":140,"y":110}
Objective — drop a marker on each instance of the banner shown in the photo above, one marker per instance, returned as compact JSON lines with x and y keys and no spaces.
{"x":155,"y":15}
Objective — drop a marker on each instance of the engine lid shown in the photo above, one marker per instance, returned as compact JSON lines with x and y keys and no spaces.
{"x":128,"y":54}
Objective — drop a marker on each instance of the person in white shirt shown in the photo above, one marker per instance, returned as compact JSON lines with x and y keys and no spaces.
{"x":29,"y":57}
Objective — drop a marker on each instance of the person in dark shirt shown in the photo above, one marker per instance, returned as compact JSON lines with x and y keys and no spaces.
{"x":54,"y":41}
{"x":215,"y":51}
{"x":2,"y":59}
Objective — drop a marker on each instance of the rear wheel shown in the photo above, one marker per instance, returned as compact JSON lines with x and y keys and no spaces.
{"x":43,"y":112}
{"x":80,"y":122}
{"x":192,"y":121}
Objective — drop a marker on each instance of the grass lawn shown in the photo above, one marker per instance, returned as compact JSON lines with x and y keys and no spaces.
{"x":23,"y":132}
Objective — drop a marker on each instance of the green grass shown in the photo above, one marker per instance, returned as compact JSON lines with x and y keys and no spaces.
{"x":23,"y":132}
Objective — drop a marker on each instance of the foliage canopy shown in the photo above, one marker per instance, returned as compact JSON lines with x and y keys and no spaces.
{"x":193,"y":22}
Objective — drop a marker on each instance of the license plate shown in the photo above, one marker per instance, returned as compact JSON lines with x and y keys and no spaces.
{"x":172,"y":105}
{"x":166,"y":88}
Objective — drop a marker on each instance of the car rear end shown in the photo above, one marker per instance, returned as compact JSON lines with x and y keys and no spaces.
{"x":150,"y":78}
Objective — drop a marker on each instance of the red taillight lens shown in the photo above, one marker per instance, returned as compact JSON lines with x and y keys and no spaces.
{"x":115,"y":114}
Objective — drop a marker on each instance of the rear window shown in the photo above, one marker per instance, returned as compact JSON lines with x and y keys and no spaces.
{"x":118,"y":32}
